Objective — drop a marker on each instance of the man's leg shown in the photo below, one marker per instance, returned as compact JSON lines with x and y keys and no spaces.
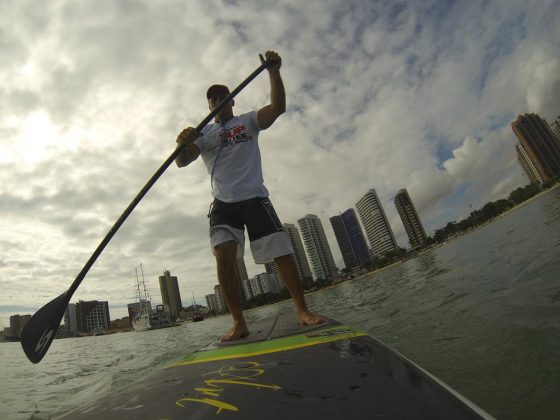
{"x":289,"y":274}
{"x":226,"y":253}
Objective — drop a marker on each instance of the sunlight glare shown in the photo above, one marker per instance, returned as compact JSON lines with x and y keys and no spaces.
{"x":39,"y":134}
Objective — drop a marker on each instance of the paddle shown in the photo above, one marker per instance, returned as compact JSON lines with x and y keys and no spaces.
{"x":39,"y":332}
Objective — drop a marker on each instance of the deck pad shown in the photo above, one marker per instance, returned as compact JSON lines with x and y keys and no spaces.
{"x":269,"y":329}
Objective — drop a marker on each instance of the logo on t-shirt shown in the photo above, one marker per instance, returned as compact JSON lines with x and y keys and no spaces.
{"x":235,"y":135}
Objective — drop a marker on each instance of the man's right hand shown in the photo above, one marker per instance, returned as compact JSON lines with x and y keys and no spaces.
{"x":188,"y":136}
{"x":190,"y":151}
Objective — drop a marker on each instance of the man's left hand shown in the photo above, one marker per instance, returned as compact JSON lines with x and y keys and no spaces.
{"x":274,"y":59}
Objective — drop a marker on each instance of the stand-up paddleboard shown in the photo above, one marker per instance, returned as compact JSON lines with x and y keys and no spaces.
{"x":285,"y":371}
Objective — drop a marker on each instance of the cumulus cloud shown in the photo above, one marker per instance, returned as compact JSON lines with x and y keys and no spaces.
{"x":384,"y":96}
{"x":543,"y":92}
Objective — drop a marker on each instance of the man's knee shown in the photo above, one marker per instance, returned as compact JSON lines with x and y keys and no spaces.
{"x":226,"y":252}
{"x":285,"y":260}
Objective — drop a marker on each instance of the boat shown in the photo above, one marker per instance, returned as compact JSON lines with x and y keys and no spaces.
{"x":197,"y":313}
{"x":197,"y":316}
{"x":284,"y":370}
{"x":145,"y":317}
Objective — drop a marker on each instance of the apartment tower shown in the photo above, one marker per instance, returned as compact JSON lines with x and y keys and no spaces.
{"x":70,"y":319}
{"x":527,"y":165}
{"x":317,"y":248}
{"x":92,"y":315}
{"x":300,"y":259}
{"x":540,"y":144}
{"x":410,"y":219}
{"x":556,"y":127}
{"x":375,"y":223}
{"x":169,"y":287}
{"x":241,"y":276}
{"x":220,"y":301}
{"x":17,"y":322}
{"x":350,"y":239}
{"x":212,"y":303}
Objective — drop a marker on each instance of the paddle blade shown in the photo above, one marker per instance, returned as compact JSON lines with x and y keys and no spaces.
{"x":39,"y":332}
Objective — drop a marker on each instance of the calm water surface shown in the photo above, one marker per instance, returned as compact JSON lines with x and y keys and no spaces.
{"x":481,"y":313}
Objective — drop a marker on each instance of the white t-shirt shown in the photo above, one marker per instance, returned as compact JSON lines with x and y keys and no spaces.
{"x":231,"y":154}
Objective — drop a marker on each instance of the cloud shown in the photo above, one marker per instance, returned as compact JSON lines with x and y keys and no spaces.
{"x":543,"y":92}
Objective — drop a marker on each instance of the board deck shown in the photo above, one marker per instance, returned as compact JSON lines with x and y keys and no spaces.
{"x":285,"y":371}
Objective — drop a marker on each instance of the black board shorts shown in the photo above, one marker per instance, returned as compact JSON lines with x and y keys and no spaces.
{"x":257,"y":214}
{"x":266,"y":234}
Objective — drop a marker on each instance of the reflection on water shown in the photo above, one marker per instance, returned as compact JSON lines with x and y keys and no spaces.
{"x":428,"y":265}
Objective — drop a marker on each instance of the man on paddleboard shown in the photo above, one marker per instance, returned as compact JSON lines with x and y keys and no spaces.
{"x":230,"y":151}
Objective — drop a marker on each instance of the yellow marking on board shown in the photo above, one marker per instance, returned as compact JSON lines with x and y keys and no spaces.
{"x":220,"y":405}
{"x":231,"y":375}
{"x":257,"y":352}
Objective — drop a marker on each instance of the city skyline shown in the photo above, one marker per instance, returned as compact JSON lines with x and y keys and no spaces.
{"x":368,"y":201}
{"x":378,"y":95}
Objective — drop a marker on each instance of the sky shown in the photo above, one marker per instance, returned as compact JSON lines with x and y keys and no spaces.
{"x":384,"y":95}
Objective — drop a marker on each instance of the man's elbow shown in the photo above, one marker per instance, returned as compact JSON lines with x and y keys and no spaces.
{"x":279,"y":109}
{"x":181,"y":162}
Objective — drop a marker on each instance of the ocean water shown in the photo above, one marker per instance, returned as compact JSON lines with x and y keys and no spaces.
{"x":482,"y":313}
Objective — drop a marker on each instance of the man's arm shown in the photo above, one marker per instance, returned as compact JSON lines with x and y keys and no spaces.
{"x":191,"y":151}
{"x":268,"y":114}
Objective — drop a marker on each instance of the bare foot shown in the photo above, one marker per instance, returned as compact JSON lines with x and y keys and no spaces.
{"x":238,"y":331}
{"x":308,"y":318}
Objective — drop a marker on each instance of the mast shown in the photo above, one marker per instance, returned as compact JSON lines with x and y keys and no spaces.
{"x":146,"y":295}
{"x":138,"y":285}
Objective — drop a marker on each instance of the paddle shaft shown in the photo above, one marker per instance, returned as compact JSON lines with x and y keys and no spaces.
{"x":153,"y":180}
{"x":39,"y":331}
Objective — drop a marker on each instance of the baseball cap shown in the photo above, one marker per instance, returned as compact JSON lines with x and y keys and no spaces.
{"x":212,"y":90}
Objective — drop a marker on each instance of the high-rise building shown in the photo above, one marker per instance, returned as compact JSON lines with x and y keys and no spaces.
{"x":299,"y":251}
{"x":410,"y":219}
{"x":300,"y":259}
{"x":350,"y":239}
{"x":17,"y":322}
{"x":540,"y":144}
{"x":71,"y":319}
{"x":260,"y":284}
{"x":220,"y":302}
{"x":556,"y":127}
{"x":241,"y":275}
{"x":527,"y":165}
{"x":317,"y":248}
{"x":93,"y":315}
{"x":376,"y":225}
{"x":272,"y":268}
{"x":170,"y":294}
{"x":212,"y":303}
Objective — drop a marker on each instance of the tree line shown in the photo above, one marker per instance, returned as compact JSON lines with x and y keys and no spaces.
{"x":490,"y":211}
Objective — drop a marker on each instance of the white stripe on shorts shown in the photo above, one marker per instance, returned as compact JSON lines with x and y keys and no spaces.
{"x":267,"y":248}
{"x":223,"y":233}
{"x":264,"y":249}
